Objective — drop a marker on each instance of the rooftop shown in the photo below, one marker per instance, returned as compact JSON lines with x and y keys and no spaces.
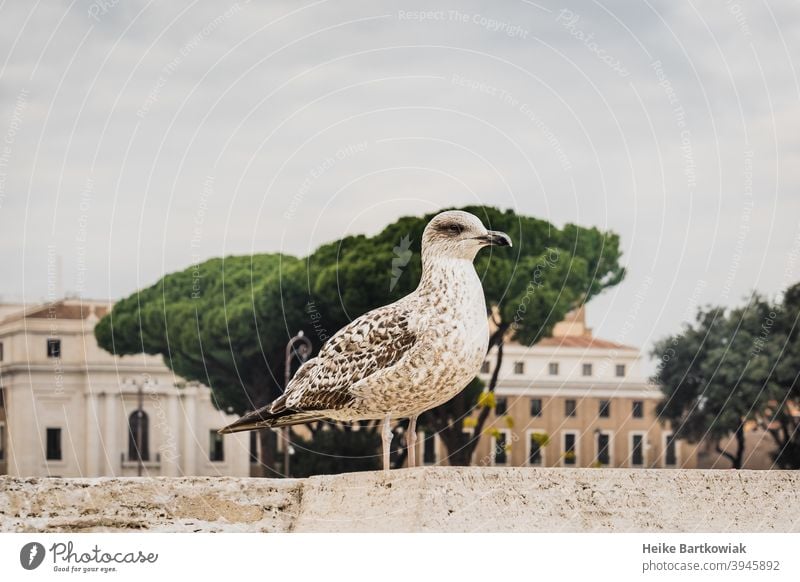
{"x":61,"y":309}
{"x":572,"y":332}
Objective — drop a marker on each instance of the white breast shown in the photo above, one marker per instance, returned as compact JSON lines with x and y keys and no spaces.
{"x":454,"y":332}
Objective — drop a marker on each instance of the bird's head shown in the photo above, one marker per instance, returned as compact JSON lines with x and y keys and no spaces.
{"x":456,"y":234}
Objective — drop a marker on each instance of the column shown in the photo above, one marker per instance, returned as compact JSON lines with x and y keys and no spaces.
{"x":94,"y":449}
{"x":171,"y":435}
{"x":190,"y":436}
{"x":111,"y":424}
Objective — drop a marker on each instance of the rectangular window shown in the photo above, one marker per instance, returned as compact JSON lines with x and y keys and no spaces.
{"x":603,"y":450}
{"x":254,"y":446}
{"x":535,"y":457}
{"x":638,"y":409}
{"x":1,"y":351}
{"x":428,"y":449}
{"x":2,"y":441}
{"x":53,"y":444}
{"x":587,"y":369}
{"x":2,"y":397}
{"x":570,"y":408}
{"x":570,"y":454}
{"x":519,"y":367}
{"x":605,"y":409}
{"x":501,"y":406}
{"x":500,"y":448}
{"x":216,"y":450}
{"x":485,"y":367}
{"x":536,"y":406}
{"x":637,"y":450}
{"x":552,"y":368}
{"x":53,"y":348}
{"x":620,"y":370}
{"x":670,"y":451}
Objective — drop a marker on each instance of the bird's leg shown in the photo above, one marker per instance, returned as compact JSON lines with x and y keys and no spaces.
{"x":411,"y":441}
{"x":386,"y":435}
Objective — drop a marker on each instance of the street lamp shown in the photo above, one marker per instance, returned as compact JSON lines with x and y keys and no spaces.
{"x":139,"y":436}
{"x":301,"y":346}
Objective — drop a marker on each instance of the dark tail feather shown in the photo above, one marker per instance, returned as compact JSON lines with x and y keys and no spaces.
{"x":263,"y":418}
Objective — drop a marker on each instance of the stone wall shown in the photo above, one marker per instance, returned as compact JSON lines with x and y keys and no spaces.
{"x":432,"y":499}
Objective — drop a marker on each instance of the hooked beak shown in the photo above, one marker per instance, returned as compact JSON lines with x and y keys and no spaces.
{"x":496,"y":238}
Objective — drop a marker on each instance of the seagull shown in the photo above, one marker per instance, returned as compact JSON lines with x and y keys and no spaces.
{"x":399,"y":360}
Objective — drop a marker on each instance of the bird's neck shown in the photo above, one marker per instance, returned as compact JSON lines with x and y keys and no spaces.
{"x":439,"y":274}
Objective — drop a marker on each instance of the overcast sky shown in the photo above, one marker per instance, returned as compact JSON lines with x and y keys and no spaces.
{"x":140,"y":137}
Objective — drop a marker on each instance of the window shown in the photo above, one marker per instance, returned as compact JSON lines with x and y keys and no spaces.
{"x":53,"y":348}
{"x":603,"y":448}
{"x":501,"y":405}
{"x":570,"y":451}
{"x":519,"y":367}
{"x":620,"y":370}
{"x":1,"y":351}
{"x":2,"y":397}
{"x":552,"y":368}
{"x":485,"y":367}
{"x":254,"y":446}
{"x":53,"y":444}
{"x":500,"y":446}
{"x":638,"y":409}
{"x":138,"y":436}
{"x":536,"y":442}
{"x":570,"y":407}
{"x":2,"y":441}
{"x":605,"y":409}
{"x":587,"y":369}
{"x":670,"y":451}
{"x":536,"y":406}
{"x":429,"y":449}
{"x":216,"y":448}
{"x":637,"y":450}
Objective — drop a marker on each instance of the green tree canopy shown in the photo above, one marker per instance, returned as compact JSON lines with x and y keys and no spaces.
{"x":731,"y":368}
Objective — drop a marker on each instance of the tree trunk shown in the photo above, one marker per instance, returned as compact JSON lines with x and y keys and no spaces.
{"x":736,"y":458}
{"x":459,"y":454}
{"x":268,"y":441}
{"x":787,"y":453}
{"x":739,"y":445}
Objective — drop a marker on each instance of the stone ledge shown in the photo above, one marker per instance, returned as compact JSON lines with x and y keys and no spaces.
{"x":430,"y":499}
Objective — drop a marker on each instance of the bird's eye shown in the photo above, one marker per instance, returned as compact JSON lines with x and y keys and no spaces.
{"x":455,"y":229}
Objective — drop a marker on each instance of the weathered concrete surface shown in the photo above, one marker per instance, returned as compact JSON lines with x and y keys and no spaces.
{"x":441,"y":499}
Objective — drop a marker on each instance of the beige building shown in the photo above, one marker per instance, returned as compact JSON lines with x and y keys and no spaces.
{"x":68,"y":408}
{"x":574,"y":400}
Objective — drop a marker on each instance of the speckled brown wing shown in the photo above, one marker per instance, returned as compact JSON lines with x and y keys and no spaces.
{"x":370,"y":344}
{"x":373,"y":342}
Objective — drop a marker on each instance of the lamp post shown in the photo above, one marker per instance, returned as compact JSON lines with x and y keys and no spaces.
{"x":301,"y":346}
{"x":139,"y":436}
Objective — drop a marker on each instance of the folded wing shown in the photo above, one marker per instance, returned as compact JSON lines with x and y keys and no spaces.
{"x":369,"y":344}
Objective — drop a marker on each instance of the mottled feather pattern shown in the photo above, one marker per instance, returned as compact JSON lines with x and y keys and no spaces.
{"x":367,"y":345}
{"x":407,"y":357}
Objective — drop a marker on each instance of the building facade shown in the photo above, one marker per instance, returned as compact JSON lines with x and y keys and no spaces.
{"x":69,"y":408}
{"x":572,"y":400}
